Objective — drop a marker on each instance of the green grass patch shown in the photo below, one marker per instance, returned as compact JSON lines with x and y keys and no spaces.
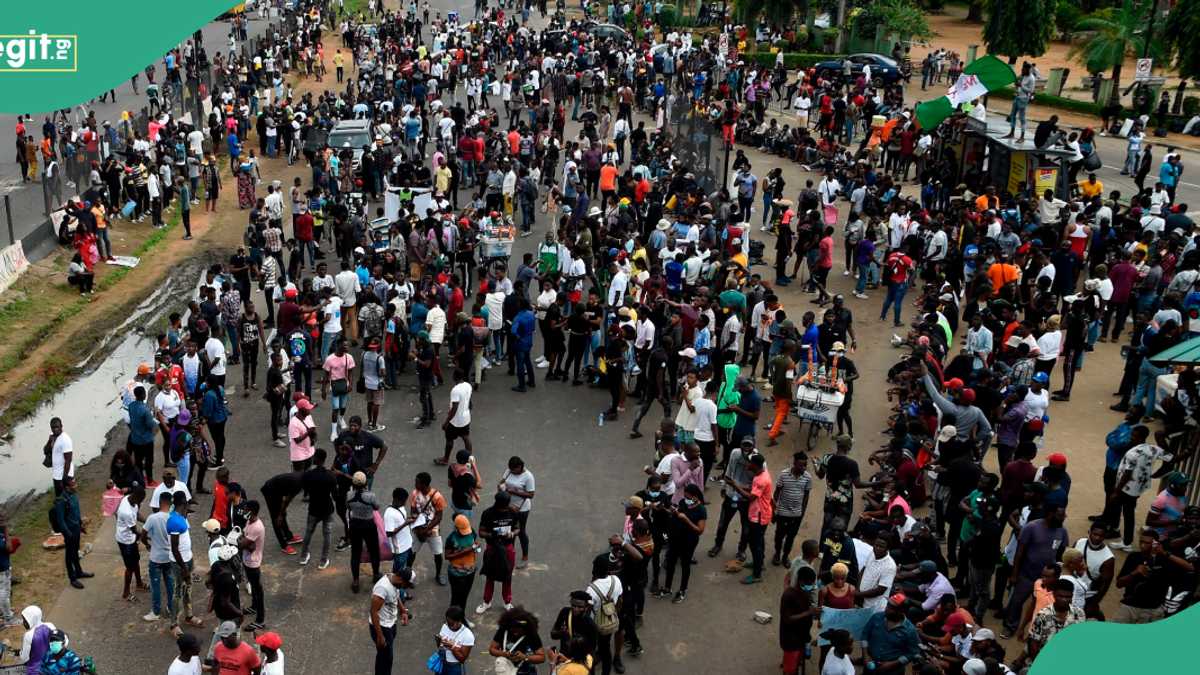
{"x":53,"y":375}
{"x":14,"y":311}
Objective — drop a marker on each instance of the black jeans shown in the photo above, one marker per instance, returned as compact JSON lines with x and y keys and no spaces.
{"x":71,"y":555}
{"x":460,"y":589}
{"x":1126,"y":506}
{"x":250,"y":363}
{"x":275,"y":512}
{"x":383,"y":655}
{"x":523,"y":533}
{"x":632,"y":602}
{"x":786,"y":528}
{"x":217,"y":431}
{"x":363,"y":531}
{"x":576,"y":347}
{"x":257,"y":601}
{"x":143,"y":456}
{"x":758,"y":536}
{"x":426,"y":396}
{"x":680,"y":552}
{"x":728,"y":509}
{"x":647,"y":403}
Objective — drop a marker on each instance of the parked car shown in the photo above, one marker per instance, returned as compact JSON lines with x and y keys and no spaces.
{"x":608,"y":31}
{"x":884,"y":70}
{"x":353,"y":134}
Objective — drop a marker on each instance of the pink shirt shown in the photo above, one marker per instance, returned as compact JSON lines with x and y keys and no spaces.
{"x":299,"y":427}
{"x":337,"y":366}
{"x":825,"y":253}
{"x":762,"y":489}
{"x":256,"y":533}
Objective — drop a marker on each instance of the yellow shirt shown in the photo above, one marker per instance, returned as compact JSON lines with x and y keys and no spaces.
{"x":443,"y":179}
{"x":1090,"y":189}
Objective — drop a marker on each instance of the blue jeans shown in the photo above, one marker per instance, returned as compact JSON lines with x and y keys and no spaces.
{"x":863,"y":273}
{"x":524,"y":367}
{"x":498,"y":345}
{"x":383,"y":657}
{"x":589,"y":356}
{"x":1131,"y":161}
{"x":162,"y":572}
{"x":895,"y":298}
{"x":1018,"y":110}
{"x":184,"y":467}
{"x":231,"y":332}
{"x":327,"y":340}
{"x":1147,"y":385}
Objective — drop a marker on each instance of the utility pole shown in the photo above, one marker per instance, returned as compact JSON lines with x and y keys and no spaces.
{"x":1150,"y":28}
{"x":841,"y":24}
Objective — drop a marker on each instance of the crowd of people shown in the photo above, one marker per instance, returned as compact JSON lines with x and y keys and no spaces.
{"x":642,"y":284}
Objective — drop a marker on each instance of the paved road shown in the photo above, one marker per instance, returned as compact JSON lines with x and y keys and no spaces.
{"x":583,"y":472}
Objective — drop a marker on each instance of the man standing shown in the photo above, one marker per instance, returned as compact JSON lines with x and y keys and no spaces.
{"x":458,"y":418}
{"x":875,"y":580}
{"x":791,"y":503}
{"x":320,"y":485}
{"x":760,"y":512}
{"x":1134,"y":476}
{"x":159,"y":543}
{"x":782,"y":374}
{"x":519,"y":483}
{"x":1039,"y":545}
{"x":61,"y":452}
{"x":142,"y":429}
{"x":386,"y":608}
{"x":70,"y":523}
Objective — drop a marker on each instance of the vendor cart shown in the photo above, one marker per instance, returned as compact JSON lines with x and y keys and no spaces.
{"x":819,"y":407}
{"x":495,"y":244}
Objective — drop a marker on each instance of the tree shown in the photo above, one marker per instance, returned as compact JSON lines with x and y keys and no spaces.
{"x":1115,"y":32}
{"x":774,"y":12}
{"x":975,"y":11}
{"x":1017,"y":28}
{"x":1183,"y":37}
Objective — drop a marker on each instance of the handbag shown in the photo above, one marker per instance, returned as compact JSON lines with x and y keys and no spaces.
{"x":504,"y":666}
{"x":1092,"y":161}
{"x":436,"y":662}
{"x":340,"y":386}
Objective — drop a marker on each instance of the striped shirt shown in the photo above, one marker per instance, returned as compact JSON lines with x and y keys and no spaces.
{"x":792,"y":493}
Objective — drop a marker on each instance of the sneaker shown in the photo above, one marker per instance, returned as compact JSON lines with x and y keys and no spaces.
{"x":860,"y":296}
{"x":845,"y":273}
{"x":296,"y":539}
{"x":1121,"y":546}
{"x":751,"y":579}
{"x":508,"y":606}
{"x":278,"y":443}
{"x":483,"y":607}
{"x":324,"y":564}
{"x":304,"y":559}
{"x":380,"y":427}
{"x":253,"y":626}
{"x":679,"y":597}
{"x":290,"y":550}
{"x":712,"y":552}
{"x":150,"y":616}
{"x":343,"y":544}
{"x":441,"y":579}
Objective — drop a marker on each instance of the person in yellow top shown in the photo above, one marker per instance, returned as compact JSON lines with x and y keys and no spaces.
{"x":339,"y":63}
{"x":102,"y":241}
{"x":442,"y":177}
{"x":1091,"y":187}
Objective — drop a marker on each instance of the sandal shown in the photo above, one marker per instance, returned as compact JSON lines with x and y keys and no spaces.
{"x":193,"y":621}
{"x":439,"y":461}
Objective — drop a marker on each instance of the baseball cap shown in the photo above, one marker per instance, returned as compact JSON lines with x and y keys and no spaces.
{"x":270,"y":640}
{"x":689,"y":353}
{"x":635,"y":502}
{"x":974,"y":667}
{"x":954,"y":383}
{"x":305,"y":404}
{"x":290,"y":293}
{"x":928,"y":566}
{"x":226,"y":629}
{"x":1057,"y":459}
{"x":968,"y":396}
{"x":1041,"y":378}
{"x":838,"y":346}
{"x":897,"y":599}
{"x":954,"y":622}
{"x":949,"y":431}
{"x":211,"y":526}
{"x":462,"y":524}
{"x":1177,"y":478}
{"x":983,"y":634}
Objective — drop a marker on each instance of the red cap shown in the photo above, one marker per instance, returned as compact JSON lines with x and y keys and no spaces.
{"x":270,"y":640}
{"x":954,"y":622}
{"x":967,"y":396}
{"x":305,"y":404}
{"x":898,"y":599}
{"x":954,"y":383}
{"x":298,"y":396}
{"x":1057,"y":458}
{"x":290,"y":293}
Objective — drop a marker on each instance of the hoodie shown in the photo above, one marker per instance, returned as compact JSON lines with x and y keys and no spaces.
{"x":727,"y":396}
{"x":36,"y":642}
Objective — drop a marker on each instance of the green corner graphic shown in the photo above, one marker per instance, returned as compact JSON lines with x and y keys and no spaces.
{"x":1103,"y":648}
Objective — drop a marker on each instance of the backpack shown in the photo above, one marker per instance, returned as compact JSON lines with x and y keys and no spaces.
{"x":607,"y":621}
{"x":896,"y":266}
{"x":297,"y":346}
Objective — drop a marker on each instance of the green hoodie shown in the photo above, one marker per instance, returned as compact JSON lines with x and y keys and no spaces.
{"x":727,"y":396}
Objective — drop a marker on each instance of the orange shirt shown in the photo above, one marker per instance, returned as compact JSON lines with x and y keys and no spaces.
{"x":608,"y":178}
{"x":1002,"y":274}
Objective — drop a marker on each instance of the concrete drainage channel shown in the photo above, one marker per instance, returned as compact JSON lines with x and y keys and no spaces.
{"x":90,"y":406}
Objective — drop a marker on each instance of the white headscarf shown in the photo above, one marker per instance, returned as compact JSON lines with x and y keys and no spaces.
{"x":33,"y":618}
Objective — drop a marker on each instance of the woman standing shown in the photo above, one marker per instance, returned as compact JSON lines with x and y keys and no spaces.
{"x":688,"y":519}
{"x":461,"y":549}
{"x":362,"y":506}
{"x":517,"y":640}
{"x":245,"y":185}
{"x":252,"y":337}
{"x":455,"y":641}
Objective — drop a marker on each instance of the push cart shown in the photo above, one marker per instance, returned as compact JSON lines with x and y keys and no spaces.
{"x":819,"y":407}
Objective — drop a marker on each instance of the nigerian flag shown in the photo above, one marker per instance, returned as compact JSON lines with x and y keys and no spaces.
{"x":983,"y":75}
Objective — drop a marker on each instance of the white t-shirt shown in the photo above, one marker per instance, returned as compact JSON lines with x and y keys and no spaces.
{"x":393,"y":519}
{"x":215,"y":349}
{"x":275,"y":667}
{"x":463,"y":637}
{"x":436,"y":321}
{"x":347,"y":287}
{"x":1036,"y":404}
{"x":333,"y":310}
{"x":391,"y":599}
{"x":162,"y":488}
{"x":461,"y":394}
{"x":664,"y":469}
{"x":609,"y":587}
{"x":62,"y":445}
{"x":524,"y":482}
{"x":168,"y":402}
{"x":837,"y":665}
{"x":686,"y":419}
{"x":706,"y":417}
{"x":878,"y":573}
{"x":126,"y":520}
{"x":188,"y":668}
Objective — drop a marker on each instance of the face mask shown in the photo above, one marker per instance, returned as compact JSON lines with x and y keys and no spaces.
{"x":654,"y":494}
{"x":690,"y":502}
{"x":808,"y":588}
{"x":56,"y":647}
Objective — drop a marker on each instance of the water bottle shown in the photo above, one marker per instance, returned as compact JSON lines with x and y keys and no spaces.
{"x":600,"y":420}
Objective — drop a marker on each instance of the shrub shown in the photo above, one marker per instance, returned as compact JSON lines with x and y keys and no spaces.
{"x":1066,"y":16}
{"x":1191,"y":105}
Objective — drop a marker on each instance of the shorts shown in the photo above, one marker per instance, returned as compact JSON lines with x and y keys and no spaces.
{"x":453,"y":432}
{"x":434,"y":541}
{"x":130,"y":556}
{"x":402,"y":560}
{"x":339,"y":402}
{"x":684,"y":437}
{"x":375,"y":396}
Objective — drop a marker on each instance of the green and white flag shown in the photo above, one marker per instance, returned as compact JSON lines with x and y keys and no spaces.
{"x":985,"y":74}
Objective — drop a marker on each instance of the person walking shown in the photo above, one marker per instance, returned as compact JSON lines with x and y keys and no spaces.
{"x":498,"y":527}
{"x":520,"y":485}
{"x":387,"y":607}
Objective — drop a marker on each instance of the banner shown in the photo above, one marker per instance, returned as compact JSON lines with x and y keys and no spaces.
{"x":1047,"y":179}
{"x":12,"y":265}
{"x":853,"y":620}
{"x":966,"y":89}
{"x":1018,"y":171}
{"x":981,"y":76}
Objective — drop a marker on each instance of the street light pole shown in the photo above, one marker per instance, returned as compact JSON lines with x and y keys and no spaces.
{"x":1150,"y":29}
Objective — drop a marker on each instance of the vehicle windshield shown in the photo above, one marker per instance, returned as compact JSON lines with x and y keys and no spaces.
{"x":886,"y":61}
{"x":357,"y":138}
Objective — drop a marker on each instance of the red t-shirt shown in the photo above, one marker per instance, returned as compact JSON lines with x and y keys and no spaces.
{"x":240,"y":660}
{"x":825,"y":253}
{"x":898,"y":266}
{"x":761,"y":507}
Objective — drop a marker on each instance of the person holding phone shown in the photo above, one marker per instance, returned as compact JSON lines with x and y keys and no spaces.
{"x":455,"y":641}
